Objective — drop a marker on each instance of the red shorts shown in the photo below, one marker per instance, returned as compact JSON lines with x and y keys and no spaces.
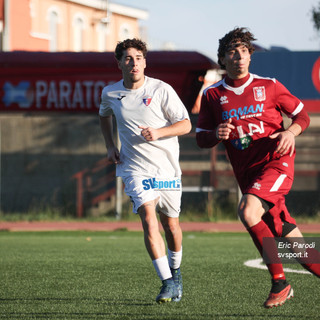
{"x":271,"y":184}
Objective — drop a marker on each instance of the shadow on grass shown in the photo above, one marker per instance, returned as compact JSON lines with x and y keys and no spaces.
{"x":145,"y":310}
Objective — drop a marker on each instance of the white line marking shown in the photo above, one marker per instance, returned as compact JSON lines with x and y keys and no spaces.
{"x":258,"y":264}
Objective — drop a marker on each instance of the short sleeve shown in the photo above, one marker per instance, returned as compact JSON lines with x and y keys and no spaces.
{"x":205,"y":119}
{"x":286,"y":101}
{"x":105,"y":109}
{"x":173,"y":106}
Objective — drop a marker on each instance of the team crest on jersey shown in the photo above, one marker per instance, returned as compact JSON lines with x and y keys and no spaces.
{"x":147,"y":100}
{"x":259,"y":93}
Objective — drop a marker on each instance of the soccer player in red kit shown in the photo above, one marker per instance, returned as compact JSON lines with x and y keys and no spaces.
{"x":243,"y":111}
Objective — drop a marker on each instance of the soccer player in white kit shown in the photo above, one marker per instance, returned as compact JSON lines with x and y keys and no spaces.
{"x":149,"y":116}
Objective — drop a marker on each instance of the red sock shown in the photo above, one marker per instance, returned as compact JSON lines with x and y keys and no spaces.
{"x":258,"y":232}
{"x":310,"y":262}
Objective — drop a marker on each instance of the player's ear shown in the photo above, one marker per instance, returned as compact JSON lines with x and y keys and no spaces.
{"x":119,"y":64}
{"x":221,"y":61}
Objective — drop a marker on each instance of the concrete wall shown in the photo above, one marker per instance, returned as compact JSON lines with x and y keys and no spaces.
{"x":40,"y":155}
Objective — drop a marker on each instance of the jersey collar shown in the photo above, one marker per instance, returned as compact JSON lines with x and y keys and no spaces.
{"x":241,"y":86}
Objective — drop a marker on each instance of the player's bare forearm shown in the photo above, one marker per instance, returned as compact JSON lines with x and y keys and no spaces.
{"x":177,"y":129}
{"x":295,"y":129}
{"x":287,"y":139}
{"x":107,"y":130}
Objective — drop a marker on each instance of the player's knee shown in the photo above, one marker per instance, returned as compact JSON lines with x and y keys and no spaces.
{"x":149,"y":220}
{"x":171,"y":225}
{"x":243,"y":215}
{"x":173,"y":228}
{"x":248,"y":216}
{"x":150,"y":226}
{"x":250,"y":211}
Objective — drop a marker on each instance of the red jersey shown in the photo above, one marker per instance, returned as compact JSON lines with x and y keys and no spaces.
{"x":255,"y":109}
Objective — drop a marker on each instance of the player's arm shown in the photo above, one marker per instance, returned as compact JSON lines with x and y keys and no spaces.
{"x":300,"y":121}
{"x":208,"y":139}
{"x":176,"y":129}
{"x":287,"y":138}
{"x":106,"y":126}
{"x":208,"y":132}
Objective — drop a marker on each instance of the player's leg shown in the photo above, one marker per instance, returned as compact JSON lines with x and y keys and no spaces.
{"x":144,"y":203}
{"x":173,"y":234}
{"x":311,"y":262}
{"x":156,"y":248}
{"x":169,"y":210}
{"x":153,"y":240}
{"x":251,"y":209}
{"x":270,"y":184}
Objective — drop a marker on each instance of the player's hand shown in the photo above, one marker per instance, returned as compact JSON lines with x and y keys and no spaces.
{"x":150,"y":134}
{"x":113,"y":155}
{"x":224,"y":129}
{"x":286,"y":142}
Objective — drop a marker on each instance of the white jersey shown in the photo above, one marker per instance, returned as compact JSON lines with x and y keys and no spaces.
{"x":155,"y":104}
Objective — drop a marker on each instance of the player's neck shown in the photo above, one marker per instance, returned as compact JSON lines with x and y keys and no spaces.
{"x":236,"y":82}
{"x":133,"y":85}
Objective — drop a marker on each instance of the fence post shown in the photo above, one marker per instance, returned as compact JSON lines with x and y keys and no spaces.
{"x":79,"y":193}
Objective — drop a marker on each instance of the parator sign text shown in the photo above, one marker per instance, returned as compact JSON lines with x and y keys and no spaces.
{"x":52,"y":95}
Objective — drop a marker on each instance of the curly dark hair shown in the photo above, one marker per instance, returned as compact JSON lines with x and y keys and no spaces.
{"x":130,"y":43}
{"x":242,"y":35}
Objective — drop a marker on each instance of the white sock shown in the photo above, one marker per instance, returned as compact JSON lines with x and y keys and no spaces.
{"x":162,"y":267}
{"x":175,"y":258}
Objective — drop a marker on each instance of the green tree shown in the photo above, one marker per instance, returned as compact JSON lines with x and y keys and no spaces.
{"x":315,"y":12}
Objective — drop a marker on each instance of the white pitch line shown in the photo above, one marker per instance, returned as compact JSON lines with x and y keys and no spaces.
{"x":258,"y":264}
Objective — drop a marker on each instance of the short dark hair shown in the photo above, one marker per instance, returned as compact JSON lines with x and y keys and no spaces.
{"x":130,"y":43}
{"x":242,"y":35}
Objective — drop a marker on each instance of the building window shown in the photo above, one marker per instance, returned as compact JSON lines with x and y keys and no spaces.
{"x":78,"y":28}
{"x":102,"y":29}
{"x":125,"y":32}
{"x":53,"y":31}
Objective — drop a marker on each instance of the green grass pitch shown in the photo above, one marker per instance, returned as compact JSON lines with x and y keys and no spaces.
{"x":108,"y":275}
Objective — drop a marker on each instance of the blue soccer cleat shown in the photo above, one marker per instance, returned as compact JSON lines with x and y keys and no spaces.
{"x":177,"y":278}
{"x":168,"y":291}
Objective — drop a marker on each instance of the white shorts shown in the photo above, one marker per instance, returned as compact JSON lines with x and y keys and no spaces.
{"x":169,"y":192}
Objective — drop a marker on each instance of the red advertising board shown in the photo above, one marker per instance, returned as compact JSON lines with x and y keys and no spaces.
{"x":72,"y":82}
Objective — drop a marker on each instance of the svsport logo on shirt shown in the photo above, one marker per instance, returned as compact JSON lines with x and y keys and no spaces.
{"x":162,"y":184}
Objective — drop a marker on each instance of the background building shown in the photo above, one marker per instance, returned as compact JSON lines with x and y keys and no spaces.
{"x":67,"y":25}
{"x":52,"y":154}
